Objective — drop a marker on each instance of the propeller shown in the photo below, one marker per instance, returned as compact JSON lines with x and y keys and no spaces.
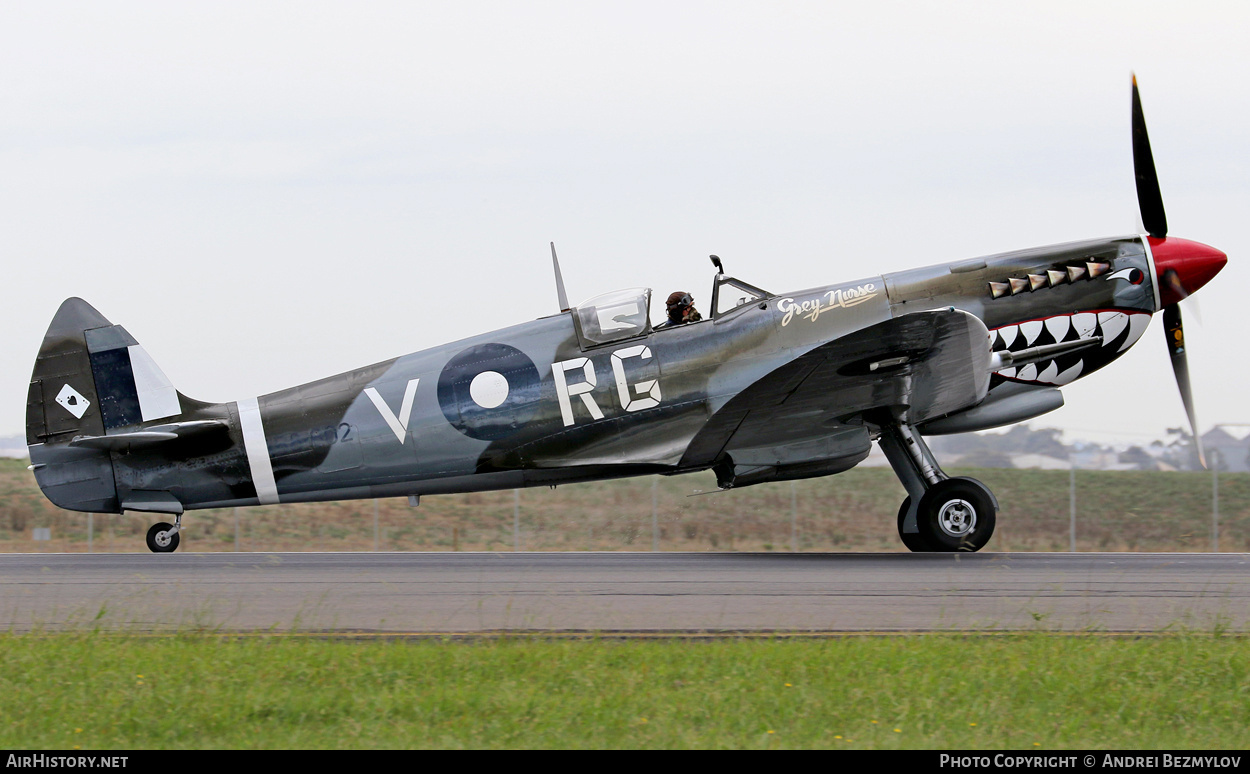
{"x":1175,"y":332}
{"x":1154,"y":219}
{"x":1149,"y":198}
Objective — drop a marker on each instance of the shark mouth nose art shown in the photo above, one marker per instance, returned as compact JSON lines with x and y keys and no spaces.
{"x":1119,"y":331}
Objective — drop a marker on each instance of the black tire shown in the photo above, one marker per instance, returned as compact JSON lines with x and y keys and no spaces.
{"x":957,"y":514}
{"x":171,"y":544}
{"x":913,"y":540}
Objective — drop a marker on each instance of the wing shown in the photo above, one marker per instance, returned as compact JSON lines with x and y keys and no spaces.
{"x":931,"y":363}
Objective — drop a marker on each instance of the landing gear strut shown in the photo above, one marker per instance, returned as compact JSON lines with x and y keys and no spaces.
{"x":163,"y":537}
{"x":940,"y":513}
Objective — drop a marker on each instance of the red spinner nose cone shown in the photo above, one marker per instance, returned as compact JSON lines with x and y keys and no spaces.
{"x":1192,"y":265}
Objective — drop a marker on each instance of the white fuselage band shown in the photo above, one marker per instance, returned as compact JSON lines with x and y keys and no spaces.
{"x":257,"y":449}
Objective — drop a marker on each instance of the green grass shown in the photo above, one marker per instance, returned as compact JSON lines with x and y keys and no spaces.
{"x":1028,"y":691}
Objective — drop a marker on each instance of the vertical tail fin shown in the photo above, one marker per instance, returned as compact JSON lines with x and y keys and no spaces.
{"x":91,"y":378}
{"x":62,"y":401}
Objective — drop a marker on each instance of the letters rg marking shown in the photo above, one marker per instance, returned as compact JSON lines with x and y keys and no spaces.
{"x":565,"y":391}
{"x":644,"y":395}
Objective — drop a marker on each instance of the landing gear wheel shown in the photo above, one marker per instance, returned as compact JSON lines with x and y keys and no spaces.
{"x":913,"y":540}
{"x":956,"y":515}
{"x":159,"y":539}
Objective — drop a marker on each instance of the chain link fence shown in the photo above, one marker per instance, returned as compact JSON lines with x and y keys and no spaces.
{"x":854,"y":511}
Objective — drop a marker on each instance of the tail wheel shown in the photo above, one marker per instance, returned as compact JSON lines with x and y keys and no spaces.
{"x":913,"y":540}
{"x":956,"y":515}
{"x":160,"y":538}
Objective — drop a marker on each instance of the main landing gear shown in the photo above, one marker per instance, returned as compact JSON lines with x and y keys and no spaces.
{"x":940,"y":513}
{"x":163,"y":537}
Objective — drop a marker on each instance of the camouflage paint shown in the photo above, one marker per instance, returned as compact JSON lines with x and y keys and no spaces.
{"x":777,"y":388}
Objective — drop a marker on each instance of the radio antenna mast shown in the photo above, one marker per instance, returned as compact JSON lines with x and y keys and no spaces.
{"x":555,"y":262}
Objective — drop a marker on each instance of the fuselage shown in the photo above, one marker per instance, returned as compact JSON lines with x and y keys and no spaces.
{"x":551,"y":401}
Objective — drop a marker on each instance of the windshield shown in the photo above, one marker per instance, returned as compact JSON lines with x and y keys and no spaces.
{"x":621,"y":314}
{"x":728,"y":294}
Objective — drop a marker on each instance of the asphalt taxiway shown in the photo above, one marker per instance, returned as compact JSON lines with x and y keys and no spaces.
{"x":656,"y":592}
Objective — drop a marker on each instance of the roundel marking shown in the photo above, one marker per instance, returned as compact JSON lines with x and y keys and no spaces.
{"x":489,"y":391}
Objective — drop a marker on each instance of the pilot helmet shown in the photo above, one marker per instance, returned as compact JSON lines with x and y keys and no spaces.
{"x":679,"y":299}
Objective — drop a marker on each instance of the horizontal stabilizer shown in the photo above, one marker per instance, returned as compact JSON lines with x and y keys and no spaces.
{"x":149,"y":435}
{"x":123,"y":441}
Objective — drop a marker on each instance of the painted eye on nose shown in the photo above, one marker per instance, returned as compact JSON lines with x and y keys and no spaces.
{"x":1132,"y":276}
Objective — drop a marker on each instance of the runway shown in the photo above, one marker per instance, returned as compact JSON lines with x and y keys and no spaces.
{"x":637,"y":592}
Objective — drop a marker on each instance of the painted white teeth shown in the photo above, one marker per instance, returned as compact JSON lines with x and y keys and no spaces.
{"x":1085,"y":323}
{"x":1112,"y":324}
{"x":1058,"y":327}
{"x":1048,"y":373}
{"x":1071,"y":374}
{"x":1030,"y":331}
{"x":1137,"y":326}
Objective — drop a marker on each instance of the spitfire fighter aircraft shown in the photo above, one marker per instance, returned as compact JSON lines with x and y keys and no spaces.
{"x":769,"y":387}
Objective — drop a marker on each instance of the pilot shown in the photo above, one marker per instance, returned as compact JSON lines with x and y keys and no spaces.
{"x":680,"y":310}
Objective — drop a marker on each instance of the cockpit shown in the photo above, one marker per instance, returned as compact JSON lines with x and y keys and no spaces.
{"x":621,"y":314}
{"x":625,"y":314}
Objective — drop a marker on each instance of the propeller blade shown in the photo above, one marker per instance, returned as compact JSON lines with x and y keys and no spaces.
{"x":1172,"y":279}
{"x":1149,"y":198}
{"x":1175,"y":331}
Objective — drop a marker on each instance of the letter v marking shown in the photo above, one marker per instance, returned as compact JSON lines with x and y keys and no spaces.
{"x":399,"y":425}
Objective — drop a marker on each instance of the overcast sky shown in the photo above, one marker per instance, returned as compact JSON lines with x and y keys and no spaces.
{"x":269,"y":193}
